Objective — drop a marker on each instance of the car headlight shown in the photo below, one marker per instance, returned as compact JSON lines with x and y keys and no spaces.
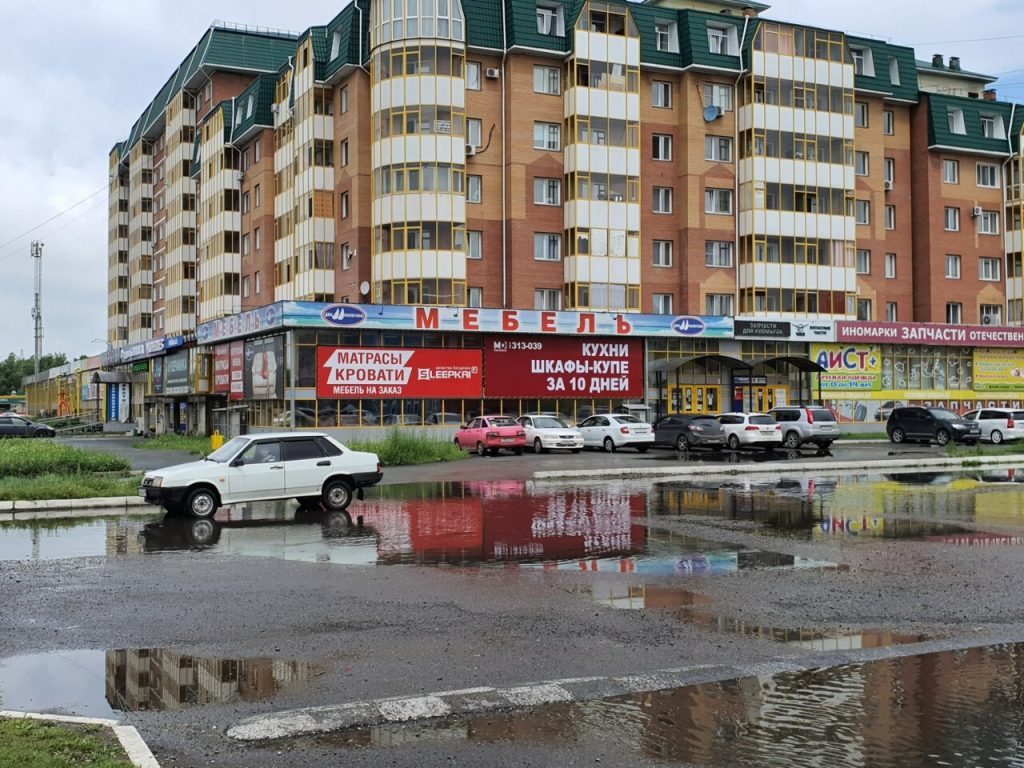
{"x":157,"y":482}
{"x":959,"y":426}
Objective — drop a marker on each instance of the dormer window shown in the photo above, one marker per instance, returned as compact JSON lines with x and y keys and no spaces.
{"x":723,"y":39}
{"x":992,"y":127}
{"x":666,"y":37}
{"x":335,"y":45}
{"x":955,"y":120}
{"x":863,"y":61}
{"x":550,"y":19}
{"x":894,"y":70}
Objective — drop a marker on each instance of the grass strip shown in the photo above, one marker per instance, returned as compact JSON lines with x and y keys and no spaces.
{"x":400,"y":448}
{"x":63,"y":486}
{"x":984,"y":449}
{"x":32,"y":458}
{"x":197,"y":444}
{"x":42,"y":744}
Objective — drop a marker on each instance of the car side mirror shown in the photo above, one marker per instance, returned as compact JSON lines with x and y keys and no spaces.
{"x":238,"y":463}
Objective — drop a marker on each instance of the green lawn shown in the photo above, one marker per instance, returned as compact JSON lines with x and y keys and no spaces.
{"x":42,"y":744}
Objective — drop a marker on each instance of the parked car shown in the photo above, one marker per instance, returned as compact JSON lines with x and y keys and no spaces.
{"x":916,"y":423}
{"x":545,"y":432}
{"x":19,"y":426}
{"x":801,"y":424}
{"x":756,"y":429}
{"x":684,"y":431}
{"x":444,"y":417}
{"x":616,"y":430}
{"x":882,"y":414}
{"x":307,"y":466}
{"x":489,"y":434}
{"x":304,"y":417}
{"x":998,"y":424}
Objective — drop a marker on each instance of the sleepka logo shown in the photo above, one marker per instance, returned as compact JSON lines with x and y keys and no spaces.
{"x":343,"y":315}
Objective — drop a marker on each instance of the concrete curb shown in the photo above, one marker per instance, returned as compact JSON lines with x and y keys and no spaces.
{"x":476,"y":701}
{"x":58,"y":508}
{"x":774,"y":467}
{"x":131,"y":742}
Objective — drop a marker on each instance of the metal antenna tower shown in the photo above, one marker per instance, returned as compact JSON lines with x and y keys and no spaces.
{"x":37,"y":306}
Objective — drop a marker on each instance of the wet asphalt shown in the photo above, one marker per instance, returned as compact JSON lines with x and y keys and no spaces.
{"x":815,"y":564}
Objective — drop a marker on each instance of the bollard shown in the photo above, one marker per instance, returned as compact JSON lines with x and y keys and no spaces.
{"x":216,"y":440}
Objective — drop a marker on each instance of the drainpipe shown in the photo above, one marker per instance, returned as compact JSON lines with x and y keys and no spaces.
{"x":359,"y":32}
{"x":1008,"y":176}
{"x":504,"y":191}
{"x":736,"y":154}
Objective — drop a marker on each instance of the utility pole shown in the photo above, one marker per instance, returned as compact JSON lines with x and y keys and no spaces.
{"x":37,"y":307}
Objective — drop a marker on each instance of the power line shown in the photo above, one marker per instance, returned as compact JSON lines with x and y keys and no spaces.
{"x":973,"y":40}
{"x":6,"y":252}
{"x":55,"y":216}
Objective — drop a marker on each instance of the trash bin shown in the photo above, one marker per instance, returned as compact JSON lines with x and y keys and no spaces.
{"x":216,"y":440}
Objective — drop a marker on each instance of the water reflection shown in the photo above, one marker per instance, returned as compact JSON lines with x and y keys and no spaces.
{"x":98,"y":683}
{"x":957,"y":708}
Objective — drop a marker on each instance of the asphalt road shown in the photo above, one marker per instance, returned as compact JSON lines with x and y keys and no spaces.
{"x":410,"y":630}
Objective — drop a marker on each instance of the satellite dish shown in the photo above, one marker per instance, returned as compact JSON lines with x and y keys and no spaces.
{"x":712,"y":113}
{"x":364,"y":288}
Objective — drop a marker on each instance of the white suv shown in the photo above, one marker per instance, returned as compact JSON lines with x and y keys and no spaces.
{"x":998,"y":424}
{"x":308,"y":466}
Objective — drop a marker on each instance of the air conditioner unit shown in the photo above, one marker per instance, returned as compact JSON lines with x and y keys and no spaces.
{"x":976,"y":211}
{"x":273,"y":108}
{"x":470,"y":150}
{"x":241,"y":177}
{"x":888,"y":185}
{"x":987,"y":319}
{"x":492,"y":73}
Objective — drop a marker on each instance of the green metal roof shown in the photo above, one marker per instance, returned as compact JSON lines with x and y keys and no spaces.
{"x":252,"y":109}
{"x":939,"y":134}
{"x":931,"y":69}
{"x":882,"y":53}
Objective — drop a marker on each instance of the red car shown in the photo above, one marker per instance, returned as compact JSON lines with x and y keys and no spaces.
{"x":489,"y":434}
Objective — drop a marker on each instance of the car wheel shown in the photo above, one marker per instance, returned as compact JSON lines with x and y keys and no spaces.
{"x":480,"y":450}
{"x":458,"y":444}
{"x":201,"y":503}
{"x":942,"y":437}
{"x":642,"y":448}
{"x":681,"y":445}
{"x":791,"y":440}
{"x":734,"y":442}
{"x":336,"y":525}
{"x":203,"y":532}
{"x":609,"y":445}
{"x":337,"y":495}
{"x":538,"y":447}
{"x":897,"y":435}
{"x":41,"y":433}
{"x":996,"y":437}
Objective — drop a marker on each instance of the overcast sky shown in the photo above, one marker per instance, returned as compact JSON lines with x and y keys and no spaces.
{"x":75,"y":79}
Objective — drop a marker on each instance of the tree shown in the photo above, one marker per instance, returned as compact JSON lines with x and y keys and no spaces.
{"x":14,"y":369}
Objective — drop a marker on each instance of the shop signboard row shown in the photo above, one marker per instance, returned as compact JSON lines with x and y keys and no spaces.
{"x":250,"y":370}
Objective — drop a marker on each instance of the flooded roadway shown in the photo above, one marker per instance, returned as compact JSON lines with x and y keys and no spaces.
{"x":697,"y":554}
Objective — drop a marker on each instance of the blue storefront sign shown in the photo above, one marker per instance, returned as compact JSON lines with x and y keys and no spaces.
{"x":113,"y":402}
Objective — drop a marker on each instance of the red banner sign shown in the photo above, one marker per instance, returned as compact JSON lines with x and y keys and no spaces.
{"x":930,"y":333}
{"x":237,"y":370}
{"x":351,"y":372}
{"x":537,"y":366}
{"x":221,"y":368}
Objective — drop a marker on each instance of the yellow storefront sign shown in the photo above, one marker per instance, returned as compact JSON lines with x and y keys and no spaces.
{"x":850,"y":367}
{"x":998,"y":370}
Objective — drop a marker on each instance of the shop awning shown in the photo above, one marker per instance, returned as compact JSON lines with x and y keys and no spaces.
{"x":111,"y":377}
{"x":800,"y":363}
{"x":675,"y":363}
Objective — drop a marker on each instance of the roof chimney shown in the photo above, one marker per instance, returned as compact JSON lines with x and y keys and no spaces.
{"x":989,"y":94}
{"x":954,"y":63}
{"x":937,"y":60}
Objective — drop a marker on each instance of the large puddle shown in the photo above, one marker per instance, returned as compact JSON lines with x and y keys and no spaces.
{"x":100,"y":683}
{"x":962,"y":708}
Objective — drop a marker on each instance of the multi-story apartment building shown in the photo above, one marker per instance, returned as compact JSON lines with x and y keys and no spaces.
{"x":689,"y":174}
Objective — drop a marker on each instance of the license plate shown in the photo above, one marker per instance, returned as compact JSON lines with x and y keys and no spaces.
{"x":507,"y":439}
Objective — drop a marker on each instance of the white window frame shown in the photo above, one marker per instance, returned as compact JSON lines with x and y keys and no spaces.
{"x":950,"y":171}
{"x":661,"y":303}
{"x":718,"y":95}
{"x":891,"y":312}
{"x":951,"y":219}
{"x":863,"y":265}
{"x":954,"y":313}
{"x":888,"y":122}
{"x":547,"y":191}
{"x":661,"y":146}
{"x":861,"y":163}
{"x":474,"y":131}
{"x":988,"y":223}
{"x":890,"y":170}
{"x":862,"y":212}
{"x":666,"y":36}
{"x":547,"y":299}
{"x":550,"y":19}
{"x":547,"y":136}
{"x":890,"y":217}
{"x":547,"y":246}
{"x":861,"y":114}
{"x":474,"y":296}
{"x":718,"y":253}
{"x":474,"y":188}
{"x":714,"y":146}
{"x":994,"y":311}
{"x":662,"y":200}
{"x":474,"y":244}
{"x":984,"y":170}
{"x":714,"y":199}
{"x":661,"y":94}
{"x":864,"y":309}
{"x":547,"y":80}
{"x":890,"y":266}
{"x":474,"y":76}
{"x":952,"y":266}
{"x":718,"y":304}
{"x":955,"y":121}
{"x":990,"y":269}
{"x":661,"y":253}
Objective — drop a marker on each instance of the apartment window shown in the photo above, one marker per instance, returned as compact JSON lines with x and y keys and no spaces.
{"x":952,"y":267}
{"x":346,"y":256}
{"x":343,"y":152}
{"x":547,"y":191}
{"x":547,"y":246}
{"x":888,"y":122}
{"x":474,"y":188}
{"x":890,"y":217}
{"x":719,"y":304}
{"x":863,"y":61}
{"x":863,"y":262}
{"x":256,"y":282}
{"x":550,"y":20}
{"x":475,"y":296}
{"x":344,"y":205}
{"x":662,"y":304}
{"x":955,"y":120}
{"x":860,"y":163}
{"x":245,"y":287}
{"x":890,"y":311}
{"x":988,"y":175}
{"x":954,"y":312}
{"x":474,"y":244}
{"x":547,"y":299}
{"x":256,"y":152}
{"x":662,"y":147}
{"x":862,"y":211}
{"x":257,"y":240}
{"x":662,"y":200}
{"x":475,"y":131}
{"x":989,"y":269}
{"x":952,"y":219}
{"x":661,"y":93}
{"x":718,"y":253}
{"x":860,"y":114}
{"x":662,"y":253}
{"x":245,"y":202}
{"x":718,"y":201}
{"x":890,"y":265}
{"x":718,"y":148}
{"x":718,"y":96}
{"x":473,"y":75}
{"x":245,"y":244}
{"x":664,"y":36}
{"x":863,"y":309}
{"x":992,"y":314}
{"x":890,"y":170}
{"x":344,"y":100}
{"x":992,"y":127}
{"x":547,"y":80}
{"x":988,"y":223}
{"x":547,"y":136}
{"x":951,"y":171}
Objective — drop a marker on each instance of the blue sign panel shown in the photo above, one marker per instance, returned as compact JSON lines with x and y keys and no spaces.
{"x":113,"y":402}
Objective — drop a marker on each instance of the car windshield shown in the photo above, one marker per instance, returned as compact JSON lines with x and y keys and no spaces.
{"x":628,"y":419}
{"x":228,"y":450}
{"x":1018,"y":415}
{"x":548,"y":422}
{"x":762,"y":420}
{"x":705,"y":418}
{"x":942,"y":413}
{"x":503,"y":421}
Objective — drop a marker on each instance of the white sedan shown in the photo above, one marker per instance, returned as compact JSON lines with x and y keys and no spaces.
{"x":544,"y":432}
{"x":616,"y":430}
{"x":756,"y":429}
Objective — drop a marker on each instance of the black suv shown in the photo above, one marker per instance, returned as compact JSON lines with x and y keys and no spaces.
{"x":915,"y":423}
{"x":685,"y":431}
